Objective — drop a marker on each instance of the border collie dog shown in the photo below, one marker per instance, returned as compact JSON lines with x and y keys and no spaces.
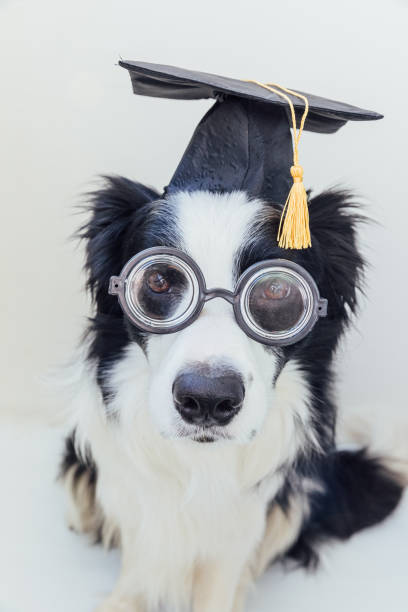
{"x":200,"y":510}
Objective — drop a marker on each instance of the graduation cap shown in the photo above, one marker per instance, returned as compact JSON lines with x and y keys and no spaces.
{"x":244,"y":141}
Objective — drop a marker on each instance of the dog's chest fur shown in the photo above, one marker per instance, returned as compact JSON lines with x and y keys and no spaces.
{"x":183,"y":503}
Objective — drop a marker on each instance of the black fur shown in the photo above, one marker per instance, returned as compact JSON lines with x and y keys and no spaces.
{"x":119,"y":226}
{"x":72,"y":459}
{"x":337,"y":267}
{"x":356,"y":491}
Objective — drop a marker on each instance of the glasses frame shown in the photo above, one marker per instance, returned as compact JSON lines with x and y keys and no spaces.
{"x":317,"y":305}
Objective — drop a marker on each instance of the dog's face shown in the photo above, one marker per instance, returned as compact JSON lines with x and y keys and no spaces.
{"x":209,"y":381}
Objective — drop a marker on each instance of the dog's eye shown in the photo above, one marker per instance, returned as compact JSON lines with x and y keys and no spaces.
{"x":158,"y":283}
{"x":277,"y":289}
{"x":276,"y":302}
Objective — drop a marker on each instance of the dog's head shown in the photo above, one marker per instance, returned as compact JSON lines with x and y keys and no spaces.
{"x":210,"y":380}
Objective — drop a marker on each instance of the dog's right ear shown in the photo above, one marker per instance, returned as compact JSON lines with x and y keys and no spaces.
{"x":119,"y":205}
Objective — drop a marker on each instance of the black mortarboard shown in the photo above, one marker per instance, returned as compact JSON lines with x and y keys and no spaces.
{"x":244,"y":141}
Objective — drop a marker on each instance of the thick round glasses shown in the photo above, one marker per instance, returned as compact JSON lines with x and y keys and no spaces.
{"x":162,"y":290}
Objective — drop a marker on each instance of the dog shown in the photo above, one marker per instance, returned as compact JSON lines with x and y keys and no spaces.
{"x":200,"y":510}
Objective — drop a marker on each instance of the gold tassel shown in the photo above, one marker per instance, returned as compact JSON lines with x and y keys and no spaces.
{"x":294,"y":232}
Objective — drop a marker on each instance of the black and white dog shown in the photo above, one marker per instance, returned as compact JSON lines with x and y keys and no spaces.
{"x":200,"y":510}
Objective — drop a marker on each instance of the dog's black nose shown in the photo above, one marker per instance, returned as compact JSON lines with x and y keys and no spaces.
{"x":208,"y":400}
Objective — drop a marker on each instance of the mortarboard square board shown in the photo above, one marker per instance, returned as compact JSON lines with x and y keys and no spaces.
{"x":244,"y":142}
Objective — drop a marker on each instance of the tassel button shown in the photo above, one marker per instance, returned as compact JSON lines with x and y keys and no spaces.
{"x":297,"y":173}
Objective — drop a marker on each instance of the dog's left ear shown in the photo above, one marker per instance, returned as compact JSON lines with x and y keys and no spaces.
{"x":119,"y":205}
{"x":339,"y":264}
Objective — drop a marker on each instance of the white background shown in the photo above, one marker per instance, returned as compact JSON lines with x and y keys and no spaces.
{"x":67,"y":114}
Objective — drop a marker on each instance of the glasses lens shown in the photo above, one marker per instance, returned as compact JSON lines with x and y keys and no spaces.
{"x":162,"y":291}
{"x":277,"y":303}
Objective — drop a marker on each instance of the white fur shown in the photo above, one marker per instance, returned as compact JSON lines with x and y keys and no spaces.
{"x":212,"y":229}
{"x":371,"y":427}
{"x":179,"y":504}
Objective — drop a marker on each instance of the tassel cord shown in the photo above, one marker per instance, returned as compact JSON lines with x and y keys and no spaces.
{"x":293,"y":229}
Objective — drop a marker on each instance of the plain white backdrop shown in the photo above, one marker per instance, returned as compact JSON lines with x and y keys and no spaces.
{"x":67,"y":115}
